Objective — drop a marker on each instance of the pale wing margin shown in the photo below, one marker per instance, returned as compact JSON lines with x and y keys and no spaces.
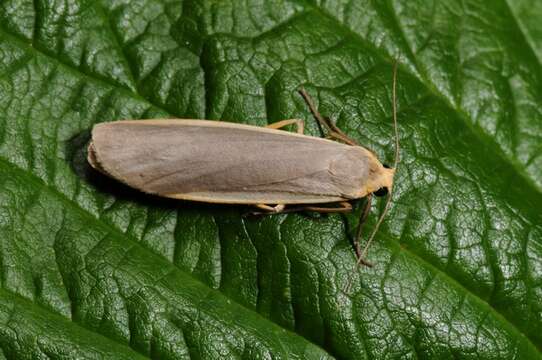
{"x":225,"y":162}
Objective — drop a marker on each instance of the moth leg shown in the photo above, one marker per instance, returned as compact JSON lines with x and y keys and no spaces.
{"x":362,"y":219}
{"x":267,"y":210}
{"x":345,"y":207}
{"x":332,"y":129}
{"x":271,"y":209}
{"x":280,"y":124}
{"x":282,"y":209}
{"x":337,"y":136}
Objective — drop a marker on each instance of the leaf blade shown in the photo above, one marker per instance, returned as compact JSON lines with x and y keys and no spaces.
{"x":238,"y":70}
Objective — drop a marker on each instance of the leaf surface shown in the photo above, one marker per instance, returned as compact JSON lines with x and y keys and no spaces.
{"x":92,"y":269}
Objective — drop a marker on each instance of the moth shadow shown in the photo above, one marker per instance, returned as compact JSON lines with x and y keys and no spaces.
{"x":76,"y":150}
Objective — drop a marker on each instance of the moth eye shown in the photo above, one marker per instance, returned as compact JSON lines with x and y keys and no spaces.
{"x":386,"y":166}
{"x":381,"y":192}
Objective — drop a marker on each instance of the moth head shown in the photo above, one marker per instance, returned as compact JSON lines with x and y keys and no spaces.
{"x":386,"y":181}
{"x":380,"y":179}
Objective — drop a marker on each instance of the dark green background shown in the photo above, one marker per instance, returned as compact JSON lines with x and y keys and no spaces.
{"x":92,"y":269}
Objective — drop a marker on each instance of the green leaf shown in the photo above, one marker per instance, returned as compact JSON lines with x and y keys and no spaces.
{"x":92,"y":269}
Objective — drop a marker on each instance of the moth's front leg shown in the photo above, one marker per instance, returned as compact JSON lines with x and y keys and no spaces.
{"x":333,"y":131}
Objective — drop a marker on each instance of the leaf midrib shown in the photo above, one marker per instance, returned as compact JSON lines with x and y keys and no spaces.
{"x":118,"y":87}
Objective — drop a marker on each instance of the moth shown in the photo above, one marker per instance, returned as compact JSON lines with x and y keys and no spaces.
{"x":229,"y":163}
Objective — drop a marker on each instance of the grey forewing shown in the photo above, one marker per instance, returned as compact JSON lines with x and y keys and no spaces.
{"x":187,"y":158}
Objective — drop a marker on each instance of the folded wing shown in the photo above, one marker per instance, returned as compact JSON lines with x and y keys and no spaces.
{"x":224,"y":162}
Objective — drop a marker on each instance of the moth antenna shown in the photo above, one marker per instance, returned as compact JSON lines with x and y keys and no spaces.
{"x":361,"y":259}
{"x":394,"y":102}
